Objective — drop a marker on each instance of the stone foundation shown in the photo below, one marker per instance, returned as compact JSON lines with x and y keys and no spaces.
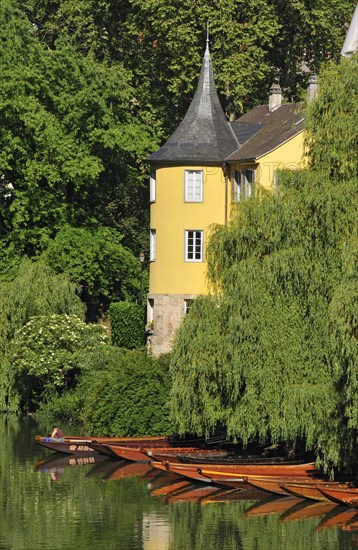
{"x":167,"y":314}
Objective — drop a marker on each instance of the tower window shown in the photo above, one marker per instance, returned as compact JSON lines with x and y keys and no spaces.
{"x":152,"y":186}
{"x":193,"y":186}
{"x":152,"y":245}
{"x":194,"y":246}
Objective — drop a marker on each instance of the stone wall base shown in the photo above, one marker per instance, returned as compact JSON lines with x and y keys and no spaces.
{"x":167,"y":312}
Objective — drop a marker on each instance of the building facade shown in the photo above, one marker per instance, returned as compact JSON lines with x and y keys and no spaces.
{"x":206,"y":166}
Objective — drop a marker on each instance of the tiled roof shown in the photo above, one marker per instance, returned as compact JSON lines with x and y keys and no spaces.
{"x":268,"y":130}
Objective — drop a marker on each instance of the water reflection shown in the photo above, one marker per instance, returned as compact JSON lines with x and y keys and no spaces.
{"x":156,"y":532}
{"x":96,"y":501}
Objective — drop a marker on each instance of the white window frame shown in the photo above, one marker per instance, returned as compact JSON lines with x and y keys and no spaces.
{"x":193,"y":186}
{"x":194,"y":245}
{"x":152,"y":186}
{"x":152,"y":245}
{"x":243,"y":184}
{"x":150,"y":310}
{"x":188,"y":302}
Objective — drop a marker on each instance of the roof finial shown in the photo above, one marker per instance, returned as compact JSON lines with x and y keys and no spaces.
{"x":207,"y":36}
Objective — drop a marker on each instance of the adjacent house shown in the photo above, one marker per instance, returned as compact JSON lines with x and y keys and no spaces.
{"x":206,"y":166}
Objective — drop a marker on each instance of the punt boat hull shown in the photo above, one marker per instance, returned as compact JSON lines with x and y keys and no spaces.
{"x":83,"y":444}
{"x":342,"y":495}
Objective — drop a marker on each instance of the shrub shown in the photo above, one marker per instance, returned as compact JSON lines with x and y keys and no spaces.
{"x":124,"y":392}
{"x":44,"y":353}
{"x":127,"y":323}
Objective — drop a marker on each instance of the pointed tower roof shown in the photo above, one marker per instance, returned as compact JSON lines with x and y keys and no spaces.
{"x":351,"y":42}
{"x":204,"y":136}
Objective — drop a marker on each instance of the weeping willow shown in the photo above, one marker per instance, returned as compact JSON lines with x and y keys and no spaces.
{"x":272,"y":353}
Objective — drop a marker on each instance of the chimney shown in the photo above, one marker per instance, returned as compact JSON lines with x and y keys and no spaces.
{"x":312,"y":89}
{"x":275,"y":97}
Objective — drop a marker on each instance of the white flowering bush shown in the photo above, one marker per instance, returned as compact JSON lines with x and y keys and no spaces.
{"x":44,"y":354}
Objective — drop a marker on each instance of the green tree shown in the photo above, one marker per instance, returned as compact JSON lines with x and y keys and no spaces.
{"x":331,"y":128}
{"x":119,"y":393}
{"x":311,"y":32}
{"x":127,"y":325}
{"x":134,"y":392}
{"x":70,"y":144}
{"x":163,"y":43}
{"x":97,"y":261}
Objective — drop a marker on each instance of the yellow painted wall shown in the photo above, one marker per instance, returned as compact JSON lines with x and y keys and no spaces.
{"x":289,"y":155}
{"x":170,"y":216}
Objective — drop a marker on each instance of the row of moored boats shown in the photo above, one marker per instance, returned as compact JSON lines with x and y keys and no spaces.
{"x":200,"y":460}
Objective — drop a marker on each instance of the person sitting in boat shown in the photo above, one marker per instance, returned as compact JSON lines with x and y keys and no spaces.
{"x":57,"y":434}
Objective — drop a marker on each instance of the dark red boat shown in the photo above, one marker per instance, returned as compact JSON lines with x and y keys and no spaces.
{"x":83,"y":444}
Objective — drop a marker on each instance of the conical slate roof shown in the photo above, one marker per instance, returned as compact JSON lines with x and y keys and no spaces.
{"x":351,"y":42}
{"x":204,"y":135}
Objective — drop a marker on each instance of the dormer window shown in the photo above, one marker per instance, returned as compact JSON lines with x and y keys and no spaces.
{"x":193,"y":186}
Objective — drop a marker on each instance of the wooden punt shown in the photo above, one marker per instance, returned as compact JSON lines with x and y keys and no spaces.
{"x":83,"y":444}
{"x":138,"y":453}
{"x":67,"y":446}
{"x":287,"y":470}
{"x":236,"y":476}
{"x":270,"y":485}
{"x":187,"y":470}
{"x":173,"y":454}
{"x":309,"y":489}
{"x":234,"y":459}
{"x":225,"y":479}
{"x":342,"y":495}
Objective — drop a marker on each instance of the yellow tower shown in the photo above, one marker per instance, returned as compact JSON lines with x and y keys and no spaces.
{"x":205,"y":166}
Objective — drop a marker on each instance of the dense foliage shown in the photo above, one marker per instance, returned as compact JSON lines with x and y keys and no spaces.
{"x":127,"y":325}
{"x":119,"y":392}
{"x":70,"y":144}
{"x":96,"y":260}
{"x":162,"y":44}
{"x":332,"y":145}
{"x":274,"y":355}
{"x":36,"y":290}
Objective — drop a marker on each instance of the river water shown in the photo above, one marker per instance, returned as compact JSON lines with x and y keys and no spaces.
{"x":54,"y":502}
